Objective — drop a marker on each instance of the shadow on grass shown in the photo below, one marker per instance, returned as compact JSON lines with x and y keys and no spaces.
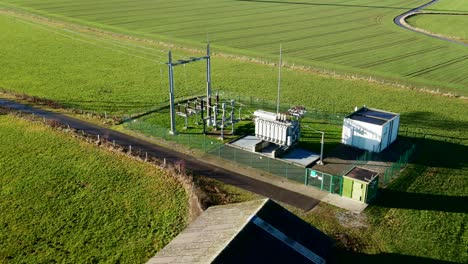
{"x":245,"y":128}
{"x":382,"y":258}
{"x":430,"y":120}
{"x":110,"y":106}
{"x":419,"y":201}
{"x":437,"y":153}
{"x":429,"y":152}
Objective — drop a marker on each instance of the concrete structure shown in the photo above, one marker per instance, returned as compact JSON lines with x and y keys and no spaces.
{"x":297,"y":156}
{"x":258,"y":231}
{"x":370,"y":129}
{"x":360,"y":184}
{"x":276,"y":128}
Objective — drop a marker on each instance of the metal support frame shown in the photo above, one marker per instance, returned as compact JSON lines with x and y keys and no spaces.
{"x":322,"y":142}
{"x":223,"y":106}
{"x":171,"y":66}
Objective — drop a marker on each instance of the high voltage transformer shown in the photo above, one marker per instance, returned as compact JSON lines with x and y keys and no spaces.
{"x":279,"y":128}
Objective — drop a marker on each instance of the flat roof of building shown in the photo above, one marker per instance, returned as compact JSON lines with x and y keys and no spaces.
{"x":361,"y":174}
{"x":372,"y":116}
{"x":296,"y":155}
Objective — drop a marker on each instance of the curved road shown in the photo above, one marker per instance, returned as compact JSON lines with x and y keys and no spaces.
{"x":401,"y":21}
{"x":196,"y":166}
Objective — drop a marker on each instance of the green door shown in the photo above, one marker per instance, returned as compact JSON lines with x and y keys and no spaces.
{"x":347,"y":187}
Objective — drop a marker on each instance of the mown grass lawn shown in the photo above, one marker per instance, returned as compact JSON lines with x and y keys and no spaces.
{"x":62,"y":200}
{"x":340,"y":35}
{"x":82,"y":75}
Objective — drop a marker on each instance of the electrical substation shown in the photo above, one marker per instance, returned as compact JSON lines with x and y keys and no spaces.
{"x":270,"y":140}
{"x":276,"y":134}
{"x":219,"y":115}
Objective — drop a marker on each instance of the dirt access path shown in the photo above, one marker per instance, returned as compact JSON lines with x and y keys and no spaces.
{"x":401,"y":21}
{"x":195,"y":165}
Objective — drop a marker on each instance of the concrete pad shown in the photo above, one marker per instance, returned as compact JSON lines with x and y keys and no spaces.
{"x":301,"y":157}
{"x":246,"y":143}
{"x":345,"y":203}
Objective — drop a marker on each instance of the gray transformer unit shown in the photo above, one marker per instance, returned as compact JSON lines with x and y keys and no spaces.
{"x":276,"y":128}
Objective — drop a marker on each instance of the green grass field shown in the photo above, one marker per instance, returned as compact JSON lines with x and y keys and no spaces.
{"x":447,"y":17}
{"x":452,"y":26}
{"x":355,"y":36}
{"x":63,"y":200}
{"x":449,"y":6}
{"x":82,"y":75}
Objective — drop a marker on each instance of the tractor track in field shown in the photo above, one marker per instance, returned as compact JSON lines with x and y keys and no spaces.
{"x":193,"y":164}
{"x":401,"y":22}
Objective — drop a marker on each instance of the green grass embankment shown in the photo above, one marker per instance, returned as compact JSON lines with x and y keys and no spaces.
{"x":63,"y":200}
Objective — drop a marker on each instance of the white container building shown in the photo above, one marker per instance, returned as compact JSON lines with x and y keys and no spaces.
{"x":370,"y":129}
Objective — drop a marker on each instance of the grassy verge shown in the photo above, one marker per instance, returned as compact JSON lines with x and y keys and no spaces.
{"x":65,"y":200}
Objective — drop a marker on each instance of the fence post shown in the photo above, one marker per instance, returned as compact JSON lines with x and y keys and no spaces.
{"x":306,"y":179}
{"x":331,"y":184}
{"x":321,"y":183}
{"x":341,"y":186}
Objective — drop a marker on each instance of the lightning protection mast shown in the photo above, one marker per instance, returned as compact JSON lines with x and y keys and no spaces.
{"x":208,"y":82}
{"x":279,"y":81}
{"x":171,"y":94}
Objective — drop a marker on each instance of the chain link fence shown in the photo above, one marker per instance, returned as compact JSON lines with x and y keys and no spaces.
{"x":251,"y":102}
{"x":198,"y":141}
{"x":260,"y":162}
{"x":394,"y":171}
{"x":324,"y":181}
